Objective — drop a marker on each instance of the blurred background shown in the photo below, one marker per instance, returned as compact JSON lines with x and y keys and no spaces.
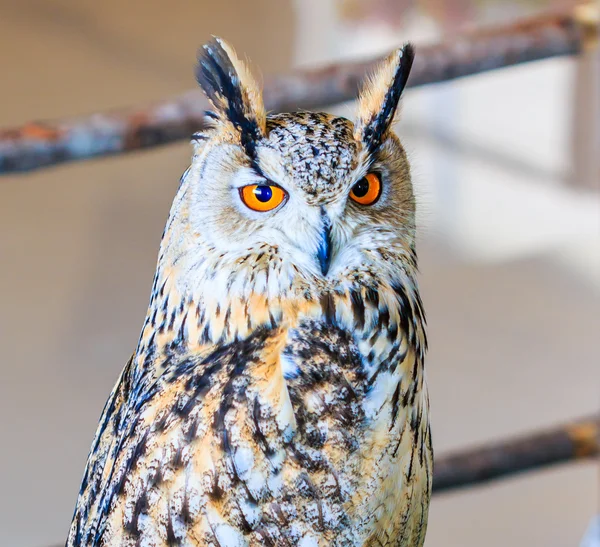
{"x":506,"y":172}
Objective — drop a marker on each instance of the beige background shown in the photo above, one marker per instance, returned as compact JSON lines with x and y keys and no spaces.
{"x":509,"y":253}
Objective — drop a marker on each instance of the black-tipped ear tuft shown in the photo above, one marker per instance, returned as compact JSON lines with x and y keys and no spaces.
{"x":380,"y":95}
{"x":232,"y":91}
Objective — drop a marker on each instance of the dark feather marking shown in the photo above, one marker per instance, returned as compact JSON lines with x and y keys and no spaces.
{"x":219,"y":80}
{"x":242,"y":354}
{"x":421,"y":450}
{"x":108,"y":489}
{"x":412,"y":457}
{"x":413,"y":392}
{"x":162,"y":287}
{"x":420,"y":308}
{"x":425,"y":339}
{"x":110,"y":405}
{"x":272,"y":321}
{"x":215,"y":538}
{"x":77,"y":539}
{"x":328,"y":307}
{"x":172,"y":320}
{"x":172,"y":539}
{"x":216,"y":492}
{"x":358,"y":309}
{"x":304,"y":459}
{"x":384,"y":318}
{"x":246,"y":528}
{"x":227,"y":401}
{"x":177,"y":461}
{"x":395,"y":400}
{"x":406,"y":397}
{"x":428,"y":468}
{"x":394,"y":352}
{"x":151,"y":348}
{"x":415,"y":368}
{"x":314,"y":438}
{"x":161,"y":424}
{"x":397,"y":447}
{"x":199,"y":384}
{"x":392,"y":332}
{"x":182,"y":330}
{"x":189,"y":433}
{"x":338,"y":491}
{"x":139,"y":450}
{"x":248,"y":321}
{"x":372,"y":296}
{"x":279,"y":515}
{"x":205,"y":336}
{"x":137,"y":453}
{"x":140,"y":508}
{"x":162,"y":326}
{"x":266,"y":537}
{"x":156,"y":479}
{"x":316,"y":495}
{"x":373,"y":378}
{"x":377,"y":126}
{"x":258,"y":434}
{"x":415,"y":419}
{"x":405,"y":311}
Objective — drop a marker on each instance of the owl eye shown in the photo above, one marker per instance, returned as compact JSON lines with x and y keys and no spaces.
{"x":367,"y":190}
{"x":262,"y":197}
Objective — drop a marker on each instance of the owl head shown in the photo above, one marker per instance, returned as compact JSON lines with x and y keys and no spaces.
{"x":278,"y":199}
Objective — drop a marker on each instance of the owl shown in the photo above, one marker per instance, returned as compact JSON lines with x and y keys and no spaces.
{"x":277,"y":395}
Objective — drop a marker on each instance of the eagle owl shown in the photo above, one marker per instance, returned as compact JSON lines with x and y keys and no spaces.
{"x":277,"y":393}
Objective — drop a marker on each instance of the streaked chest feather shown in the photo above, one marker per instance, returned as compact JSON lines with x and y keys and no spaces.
{"x":313,"y":433}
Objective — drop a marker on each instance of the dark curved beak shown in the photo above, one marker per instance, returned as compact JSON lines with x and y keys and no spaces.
{"x":324,"y":251}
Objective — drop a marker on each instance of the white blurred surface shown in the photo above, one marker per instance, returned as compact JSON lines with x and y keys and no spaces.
{"x":592,"y":536}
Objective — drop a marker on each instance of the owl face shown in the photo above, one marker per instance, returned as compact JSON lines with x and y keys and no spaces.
{"x":317,"y":193}
{"x":313,"y":192}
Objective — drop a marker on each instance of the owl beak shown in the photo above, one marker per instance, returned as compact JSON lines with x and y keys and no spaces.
{"x":324,"y":251}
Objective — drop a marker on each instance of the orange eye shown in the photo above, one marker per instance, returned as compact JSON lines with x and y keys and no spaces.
{"x":262,"y":197}
{"x":367,"y":190}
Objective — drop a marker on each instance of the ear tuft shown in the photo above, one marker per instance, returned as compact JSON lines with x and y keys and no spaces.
{"x":380,"y":95}
{"x":232,"y":91}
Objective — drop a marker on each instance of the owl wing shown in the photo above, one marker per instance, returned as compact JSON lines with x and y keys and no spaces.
{"x":101,"y":461}
{"x":191,"y":455}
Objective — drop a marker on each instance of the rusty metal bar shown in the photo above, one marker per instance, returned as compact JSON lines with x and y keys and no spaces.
{"x":576,"y":441}
{"x":40,"y":144}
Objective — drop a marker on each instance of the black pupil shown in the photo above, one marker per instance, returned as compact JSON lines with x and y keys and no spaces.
{"x":361,"y":188}
{"x":263,"y":193}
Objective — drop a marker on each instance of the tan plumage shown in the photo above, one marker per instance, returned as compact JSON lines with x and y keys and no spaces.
{"x":277,"y":392}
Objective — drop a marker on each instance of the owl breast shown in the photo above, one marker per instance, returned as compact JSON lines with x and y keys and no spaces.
{"x":367,"y":451}
{"x":285,"y":438}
